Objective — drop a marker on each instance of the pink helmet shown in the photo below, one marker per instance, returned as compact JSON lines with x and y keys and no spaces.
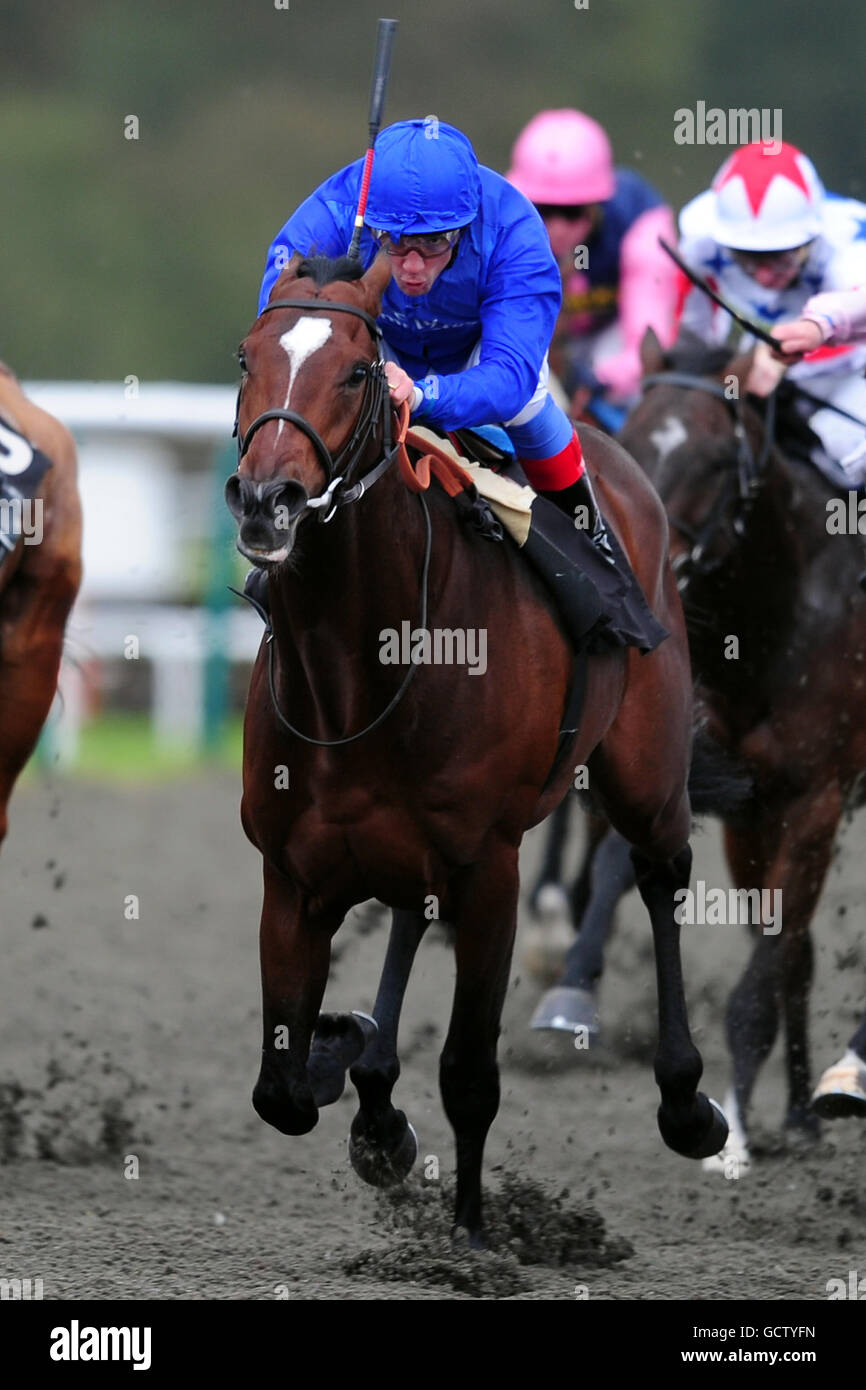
{"x":563,"y":157}
{"x":766,"y":199}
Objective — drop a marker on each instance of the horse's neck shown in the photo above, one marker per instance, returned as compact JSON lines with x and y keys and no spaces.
{"x":347,"y":580}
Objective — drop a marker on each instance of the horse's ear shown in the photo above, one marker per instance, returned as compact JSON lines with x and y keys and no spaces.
{"x":375,"y":282}
{"x":288,"y":273}
{"x":739,"y":367}
{"x":652,"y":357}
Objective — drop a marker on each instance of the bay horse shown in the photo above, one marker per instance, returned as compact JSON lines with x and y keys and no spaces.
{"x":755,"y":560}
{"x":416,"y":790}
{"x":38,"y":581}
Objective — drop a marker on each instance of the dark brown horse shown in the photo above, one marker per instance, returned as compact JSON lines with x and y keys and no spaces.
{"x":38,"y":584}
{"x":756,"y":562}
{"x":415,"y":786}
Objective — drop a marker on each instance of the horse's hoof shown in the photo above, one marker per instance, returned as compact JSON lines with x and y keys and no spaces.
{"x":841,"y":1092}
{"x":338,"y":1041}
{"x":463,"y":1240}
{"x":381,"y":1167}
{"x":567,"y":1010}
{"x":730,"y":1163}
{"x":288,"y":1116}
{"x":712,"y":1135}
{"x":548,"y":902}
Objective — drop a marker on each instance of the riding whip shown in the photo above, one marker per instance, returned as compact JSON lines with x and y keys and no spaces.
{"x":381,"y":69}
{"x":754,"y":328}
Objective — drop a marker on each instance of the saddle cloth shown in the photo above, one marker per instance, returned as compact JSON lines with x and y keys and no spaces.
{"x":511,"y":499}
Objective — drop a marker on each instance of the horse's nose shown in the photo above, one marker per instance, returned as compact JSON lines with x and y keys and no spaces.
{"x":277,"y":502}
{"x":266,"y":513}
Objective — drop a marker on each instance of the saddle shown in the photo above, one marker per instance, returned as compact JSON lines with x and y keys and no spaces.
{"x":601,"y":606}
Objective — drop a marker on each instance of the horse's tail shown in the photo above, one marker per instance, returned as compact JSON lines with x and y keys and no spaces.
{"x":719,"y":784}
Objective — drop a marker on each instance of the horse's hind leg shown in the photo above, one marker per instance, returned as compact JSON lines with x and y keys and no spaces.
{"x":382,"y":1144}
{"x":640,"y":772}
{"x":295,"y":954}
{"x":485,"y":921}
{"x":689,"y":1123}
{"x":573,"y":1003}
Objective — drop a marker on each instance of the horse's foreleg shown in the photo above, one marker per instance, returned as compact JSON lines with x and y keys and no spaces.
{"x":485,"y":921}
{"x":804,"y":857}
{"x":573,"y":1004}
{"x":31,"y":643}
{"x":779,"y":972}
{"x":597,"y":829}
{"x":382,"y":1144}
{"x":548,"y":884}
{"x":295,"y":955}
{"x":550,"y":931}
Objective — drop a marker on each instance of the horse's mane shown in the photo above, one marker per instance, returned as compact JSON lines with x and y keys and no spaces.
{"x":323,"y":269}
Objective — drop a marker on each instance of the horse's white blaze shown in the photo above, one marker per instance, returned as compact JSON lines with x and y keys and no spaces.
{"x":671,"y":435}
{"x":300,"y":342}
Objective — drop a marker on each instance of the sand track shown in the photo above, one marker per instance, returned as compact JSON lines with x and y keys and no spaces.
{"x":124,"y":1038}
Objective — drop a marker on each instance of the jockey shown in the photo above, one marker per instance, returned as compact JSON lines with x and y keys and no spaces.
{"x":771,"y":241}
{"x":604,"y":224}
{"x":472,"y":302}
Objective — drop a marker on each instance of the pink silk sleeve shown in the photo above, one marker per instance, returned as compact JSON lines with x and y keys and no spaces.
{"x":647,"y":296}
{"x":840,"y":314}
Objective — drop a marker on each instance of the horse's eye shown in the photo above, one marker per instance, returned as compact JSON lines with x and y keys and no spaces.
{"x":359,"y":374}
{"x":242,"y":359}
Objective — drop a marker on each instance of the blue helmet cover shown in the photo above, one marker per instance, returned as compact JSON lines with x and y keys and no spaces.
{"x":425,"y":179}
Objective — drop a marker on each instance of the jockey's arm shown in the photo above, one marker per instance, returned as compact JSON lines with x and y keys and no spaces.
{"x":833,"y":317}
{"x":519,"y":305}
{"x":647,"y":297}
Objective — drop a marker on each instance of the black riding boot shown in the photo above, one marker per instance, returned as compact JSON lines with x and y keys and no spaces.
{"x":580,"y":495}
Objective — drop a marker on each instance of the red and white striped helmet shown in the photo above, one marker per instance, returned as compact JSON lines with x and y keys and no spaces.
{"x":768,"y":197}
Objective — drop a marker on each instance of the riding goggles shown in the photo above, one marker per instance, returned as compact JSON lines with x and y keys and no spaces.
{"x":427,"y":244}
{"x":784,"y":261}
{"x":572,"y":212}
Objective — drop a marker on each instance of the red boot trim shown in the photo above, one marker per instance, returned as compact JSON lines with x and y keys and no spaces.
{"x":560,"y":471}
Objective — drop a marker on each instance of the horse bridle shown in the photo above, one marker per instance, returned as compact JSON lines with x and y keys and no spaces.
{"x":741,"y":490}
{"x":375,"y":409}
{"x":376,"y":403}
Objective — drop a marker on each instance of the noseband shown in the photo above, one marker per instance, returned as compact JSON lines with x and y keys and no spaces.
{"x":740,"y":491}
{"x":375,"y":409}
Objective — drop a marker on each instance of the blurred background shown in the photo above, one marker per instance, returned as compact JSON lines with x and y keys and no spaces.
{"x":135,"y":263}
